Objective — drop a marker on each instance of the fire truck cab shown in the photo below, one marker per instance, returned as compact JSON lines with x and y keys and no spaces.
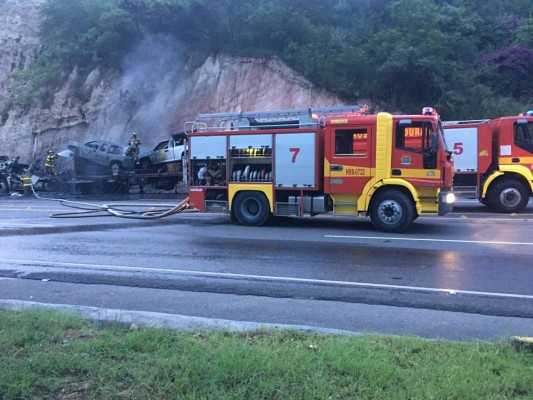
{"x":493,"y":160}
{"x":336,"y":160}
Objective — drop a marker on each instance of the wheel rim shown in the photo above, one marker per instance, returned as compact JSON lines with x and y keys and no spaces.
{"x":390,"y":212}
{"x":115,"y":169}
{"x":510,"y":197}
{"x":251,"y":208}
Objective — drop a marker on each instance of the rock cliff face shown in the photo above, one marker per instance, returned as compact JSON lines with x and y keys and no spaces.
{"x":156,"y":92}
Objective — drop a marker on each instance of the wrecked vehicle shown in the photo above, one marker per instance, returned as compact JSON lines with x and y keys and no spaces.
{"x":4,"y":162}
{"x":167,"y":151}
{"x":102,"y":153}
{"x":12,"y":174}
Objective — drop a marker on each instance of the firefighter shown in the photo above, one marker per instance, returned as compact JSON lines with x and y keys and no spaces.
{"x":26,"y":184}
{"x":50,"y":162}
{"x":202,"y":175}
{"x":526,"y":114}
{"x":133,"y":146}
{"x":215,"y":174}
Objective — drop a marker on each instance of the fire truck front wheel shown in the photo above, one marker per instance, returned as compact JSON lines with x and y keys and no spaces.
{"x":508,"y":196}
{"x":251,"y":208}
{"x":392,"y":211}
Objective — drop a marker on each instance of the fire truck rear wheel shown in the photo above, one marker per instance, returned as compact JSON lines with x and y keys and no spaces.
{"x":251,"y":208}
{"x":4,"y":186}
{"x":508,"y":196}
{"x":392,"y":211}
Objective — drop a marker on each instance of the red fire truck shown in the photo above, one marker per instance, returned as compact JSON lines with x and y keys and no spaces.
{"x":337,"y":160}
{"x":493,"y":161}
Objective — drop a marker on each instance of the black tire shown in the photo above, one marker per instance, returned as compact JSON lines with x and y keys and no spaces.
{"x":146,"y":164}
{"x":392,"y":211}
{"x":251,"y":208}
{"x":508,"y":196}
{"x":4,"y":186}
{"x":115,"y":167}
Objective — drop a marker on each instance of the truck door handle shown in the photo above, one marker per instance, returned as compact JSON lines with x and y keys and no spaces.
{"x":335,"y":168}
{"x":516,"y":160}
{"x":396,"y":172}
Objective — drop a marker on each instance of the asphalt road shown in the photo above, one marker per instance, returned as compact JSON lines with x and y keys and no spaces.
{"x":465,"y":276}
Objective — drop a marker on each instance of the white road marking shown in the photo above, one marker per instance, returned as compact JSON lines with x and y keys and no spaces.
{"x":32,"y":208}
{"x":482,"y":217}
{"x":431,"y":240}
{"x":16,"y":225}
{"x":60,"y":264}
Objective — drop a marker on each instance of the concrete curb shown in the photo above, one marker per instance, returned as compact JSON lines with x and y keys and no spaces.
{"x":161,"y":320}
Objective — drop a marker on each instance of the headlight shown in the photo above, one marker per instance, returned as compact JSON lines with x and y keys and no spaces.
{"x":449,"y":198}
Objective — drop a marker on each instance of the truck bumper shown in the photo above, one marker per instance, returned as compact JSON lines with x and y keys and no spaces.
{"x":446,"y":200}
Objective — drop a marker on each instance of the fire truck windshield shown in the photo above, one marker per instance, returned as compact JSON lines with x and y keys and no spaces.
{"x":441,"y":134}
{"x":523,"y":135}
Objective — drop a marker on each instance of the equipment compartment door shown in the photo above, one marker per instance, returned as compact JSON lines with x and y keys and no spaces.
{"x":463,"y":142}
{"x":350,"y":156}
{"x":295,"y":160}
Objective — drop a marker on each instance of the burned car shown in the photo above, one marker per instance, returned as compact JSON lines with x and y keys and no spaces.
{"x":103,"y":153}
{"x":4,"y":162}
{"x":11,"y":174}
{"x":167,"y":151}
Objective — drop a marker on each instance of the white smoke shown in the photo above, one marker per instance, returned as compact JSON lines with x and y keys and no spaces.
{"x":143,"y":99}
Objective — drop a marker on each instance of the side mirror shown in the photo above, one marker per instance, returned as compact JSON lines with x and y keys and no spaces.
{"x":449,"y":155}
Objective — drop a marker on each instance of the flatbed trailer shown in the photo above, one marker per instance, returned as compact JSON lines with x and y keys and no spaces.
{"x":110,"y":184}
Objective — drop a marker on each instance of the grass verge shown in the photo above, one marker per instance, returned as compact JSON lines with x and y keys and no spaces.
{"x":49,"y":355}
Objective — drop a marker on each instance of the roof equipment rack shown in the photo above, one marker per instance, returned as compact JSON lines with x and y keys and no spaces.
{"x":272,"y":119}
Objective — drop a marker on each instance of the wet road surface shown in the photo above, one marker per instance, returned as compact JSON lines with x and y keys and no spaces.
{"x":322,"y":271}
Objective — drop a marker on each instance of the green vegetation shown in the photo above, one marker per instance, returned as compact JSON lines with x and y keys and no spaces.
{"x":469,"y":58}
{"x":48,"y":355}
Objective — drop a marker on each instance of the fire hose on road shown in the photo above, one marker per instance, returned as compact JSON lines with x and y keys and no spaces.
{"x":155,"y":211}
{"x":140,"y":211}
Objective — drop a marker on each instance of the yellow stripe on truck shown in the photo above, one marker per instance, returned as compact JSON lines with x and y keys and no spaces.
{"x":383,"y":157}
{"x":420,"y":173}
{"x":509,"y":160}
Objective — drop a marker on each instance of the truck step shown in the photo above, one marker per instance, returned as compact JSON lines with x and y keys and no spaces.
{"x":287,"y":209}
{"x":467,"y":192}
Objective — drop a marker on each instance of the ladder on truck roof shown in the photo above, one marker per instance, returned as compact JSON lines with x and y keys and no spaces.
{"x":273,"y":118}
{"x":282,"y":114}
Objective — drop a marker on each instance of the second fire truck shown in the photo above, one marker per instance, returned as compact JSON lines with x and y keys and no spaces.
{"x":255,"y":165}
{"x":493,"y":160}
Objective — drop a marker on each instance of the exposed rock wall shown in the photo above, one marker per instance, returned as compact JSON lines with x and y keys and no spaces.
{"x":156,"y":92}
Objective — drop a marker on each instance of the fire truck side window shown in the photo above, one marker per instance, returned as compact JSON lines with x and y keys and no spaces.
{"x":351,"y":142}
{"x":419,"y":137}
{"x":523,"y":136}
